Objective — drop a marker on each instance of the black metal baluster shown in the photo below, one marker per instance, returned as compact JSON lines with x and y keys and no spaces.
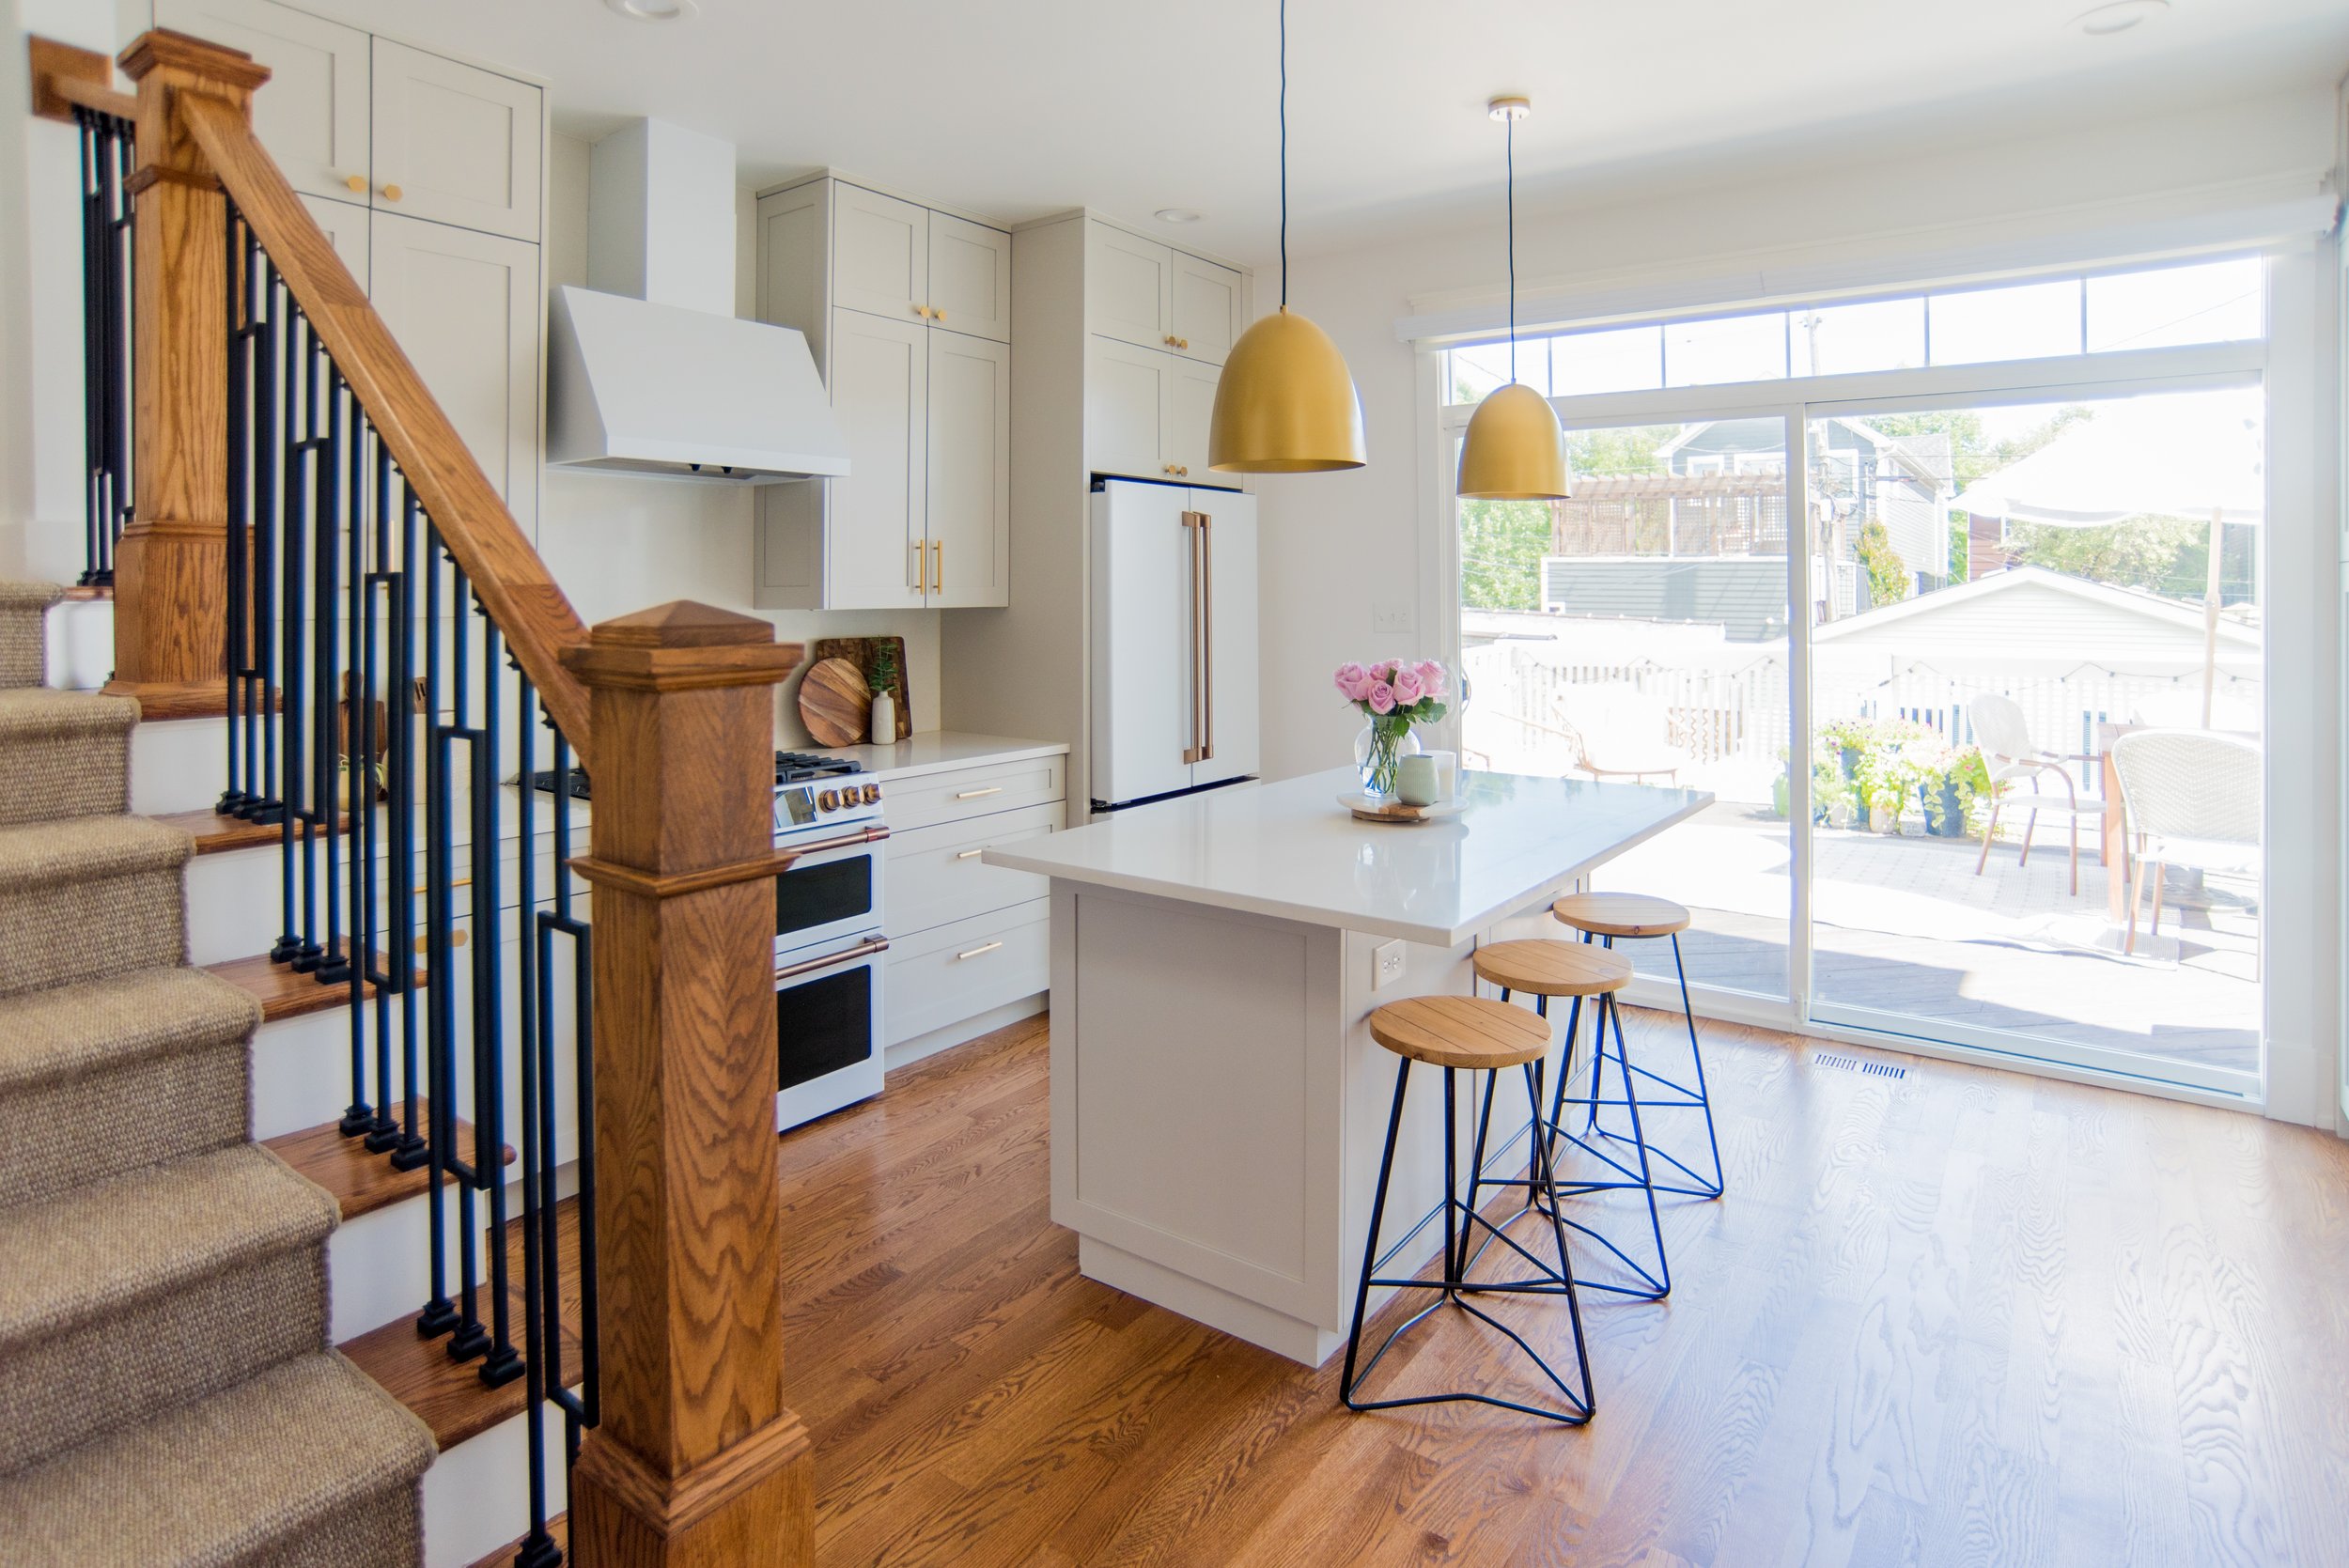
{"x":400,"y":810}
{"x":96,"y":242}
{"x":538,"y":1547}
{"x":237,"y":791}
{"x":500,"y":1363}
{"x":440,"y":1315}
{"x":298,"y":402}
{"x":365,"y":819}
{"x":470,"y":1339}
{"x":339,"y":504}
{"x":267,"y":445}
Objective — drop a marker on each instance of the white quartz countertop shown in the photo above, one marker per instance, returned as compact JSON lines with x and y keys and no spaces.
{"x":939,"y":752}
{"x":1290,"y":850}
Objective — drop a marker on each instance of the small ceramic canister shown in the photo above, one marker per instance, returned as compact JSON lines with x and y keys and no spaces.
{"x":1416,"y":781}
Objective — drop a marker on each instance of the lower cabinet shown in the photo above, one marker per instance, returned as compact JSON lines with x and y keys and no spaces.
{"x":952,"y":973}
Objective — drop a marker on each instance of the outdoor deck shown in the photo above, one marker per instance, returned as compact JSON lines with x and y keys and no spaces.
{"x":1904,"y":925}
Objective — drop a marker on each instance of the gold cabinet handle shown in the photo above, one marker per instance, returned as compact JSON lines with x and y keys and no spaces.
{"x":1182,"y":343}
{"x":355,"y":183}
{"x":938,"y":567}
{"x":391,"y":193}
{"x":1170,"y":340}
{"x":455,"y":938}
{"x":967,"y":853}
{"x":975,"y":952}
{"x":923,"y":311}
{"x":1181,"y":471}
{"x":974,"y":794}
{"x":937,"y":313}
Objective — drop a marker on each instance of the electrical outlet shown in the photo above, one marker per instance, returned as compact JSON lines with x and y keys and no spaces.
{"x":1393,"y":618}
{"x":1386,"y":964}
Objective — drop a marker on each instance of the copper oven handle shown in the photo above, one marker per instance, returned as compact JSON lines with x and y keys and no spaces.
{"x":809,"y":965}
{"x":846,"y":841}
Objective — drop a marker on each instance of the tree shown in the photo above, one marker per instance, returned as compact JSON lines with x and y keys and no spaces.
{"x":1888,"y":574}
{"x":1501,"y":546}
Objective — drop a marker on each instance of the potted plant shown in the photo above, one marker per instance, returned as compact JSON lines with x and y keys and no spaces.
{"x":1394,"y":694}
{"x":1850,"y":739}
{"x":882,"y":679}
{"x":1893,"y":769}
{"x":1949,"y":797}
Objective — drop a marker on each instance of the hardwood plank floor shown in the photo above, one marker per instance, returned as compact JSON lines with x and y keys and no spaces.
{"x":1963,"y":1318}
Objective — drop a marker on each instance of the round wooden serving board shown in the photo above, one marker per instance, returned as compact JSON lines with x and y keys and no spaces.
{"x":835,"y":705}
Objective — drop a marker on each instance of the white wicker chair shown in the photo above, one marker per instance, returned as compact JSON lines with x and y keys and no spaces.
{"x":2193,"y":799}
{"x":2013,"y":759}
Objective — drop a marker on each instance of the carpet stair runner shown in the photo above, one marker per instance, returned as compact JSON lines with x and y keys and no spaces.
{"x":170,"y":1390}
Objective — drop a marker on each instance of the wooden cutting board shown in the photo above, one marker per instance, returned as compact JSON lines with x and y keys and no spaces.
{"x":861,"y":652}
{"x":834,"y":703}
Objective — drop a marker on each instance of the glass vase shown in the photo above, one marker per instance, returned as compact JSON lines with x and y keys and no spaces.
{"x":1379,"y":749}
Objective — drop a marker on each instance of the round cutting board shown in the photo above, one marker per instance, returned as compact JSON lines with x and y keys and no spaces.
{"x":834,"y":703}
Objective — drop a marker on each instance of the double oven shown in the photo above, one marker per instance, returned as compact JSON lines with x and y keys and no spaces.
{"x":829,"y":937}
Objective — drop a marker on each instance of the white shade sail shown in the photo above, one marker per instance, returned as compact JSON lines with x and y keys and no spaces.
{"x":2197,"y":456}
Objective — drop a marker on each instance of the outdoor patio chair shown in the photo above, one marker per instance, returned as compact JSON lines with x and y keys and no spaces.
{"x":1615,"y":756}
{"x":2191,"y":799}
{"x":2014,"y":760}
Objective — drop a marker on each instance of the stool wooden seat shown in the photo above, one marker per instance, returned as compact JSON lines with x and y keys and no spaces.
{"x":1539,"y":967}
{"x":1621,"y":914}
{"x":1474,"y":1032}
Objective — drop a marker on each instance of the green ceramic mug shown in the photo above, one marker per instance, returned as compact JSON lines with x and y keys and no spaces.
{"x":1416,"y":781}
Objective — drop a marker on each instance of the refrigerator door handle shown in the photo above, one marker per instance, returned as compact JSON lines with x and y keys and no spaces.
{"x":1206,"y":637}
{"x":1193,"y":529}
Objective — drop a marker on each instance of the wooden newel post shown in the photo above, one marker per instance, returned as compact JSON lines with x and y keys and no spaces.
{"x":171,"y":567}
{"x":696,"y":1462}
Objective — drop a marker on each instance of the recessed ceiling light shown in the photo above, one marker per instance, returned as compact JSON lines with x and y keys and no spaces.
{"x":2118,"y":17}
{"x":1177,"y":214}
{"x":653,"y":10}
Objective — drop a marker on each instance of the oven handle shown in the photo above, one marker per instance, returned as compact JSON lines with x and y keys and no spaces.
{"x":809,"y":965}
{"x":846,"y":841}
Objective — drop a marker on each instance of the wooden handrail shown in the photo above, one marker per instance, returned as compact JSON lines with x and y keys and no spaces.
{"x":65,"y":78}
{"x":505,"y":572}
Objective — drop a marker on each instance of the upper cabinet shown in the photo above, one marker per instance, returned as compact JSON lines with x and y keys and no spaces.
{"x":456,"y":145}
{"x":907,"y":312}
{"x":356,"y":119}
{"x":1142,"y":292}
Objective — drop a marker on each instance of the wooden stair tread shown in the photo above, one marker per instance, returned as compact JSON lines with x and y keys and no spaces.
{"x":361,"y":1182}
{"x":214,"y":833}
{"x":559,"y":1527}
{"x":284,"y":994}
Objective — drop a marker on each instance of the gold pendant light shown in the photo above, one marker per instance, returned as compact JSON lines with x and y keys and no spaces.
{"x":1285,"y":402}
{"x":1514,"y":449}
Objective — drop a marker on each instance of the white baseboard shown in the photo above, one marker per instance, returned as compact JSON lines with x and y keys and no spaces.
{"x":906,"y":1052}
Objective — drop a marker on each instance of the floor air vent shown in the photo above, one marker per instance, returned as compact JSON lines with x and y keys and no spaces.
{"x":1857,"y":1065}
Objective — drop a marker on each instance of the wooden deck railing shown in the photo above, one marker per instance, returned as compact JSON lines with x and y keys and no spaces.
{"x":695,"y":1458}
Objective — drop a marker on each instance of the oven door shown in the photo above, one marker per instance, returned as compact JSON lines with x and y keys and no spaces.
{"x":828,"y":1029}
{"x":832,"y":891}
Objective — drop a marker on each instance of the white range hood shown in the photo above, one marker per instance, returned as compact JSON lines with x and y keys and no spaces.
{"x":650,"y":371}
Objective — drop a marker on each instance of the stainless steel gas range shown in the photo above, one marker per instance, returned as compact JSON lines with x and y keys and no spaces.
{"x":829,"y":1031}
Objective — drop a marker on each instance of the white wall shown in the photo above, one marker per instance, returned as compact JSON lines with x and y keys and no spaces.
{"x":1337,"y":547}
{"x":617,"y":544}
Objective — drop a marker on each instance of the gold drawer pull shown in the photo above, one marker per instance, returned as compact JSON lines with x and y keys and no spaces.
{"x":973,"y":953}
{"x":391,"y":193}
{"x":455,"y":938}
{"x":967,"y":853}
{"x":974,"y":794}
{"x":355,"y":183}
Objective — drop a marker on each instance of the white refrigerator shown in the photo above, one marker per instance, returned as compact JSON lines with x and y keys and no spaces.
{"x":1174,"y":619}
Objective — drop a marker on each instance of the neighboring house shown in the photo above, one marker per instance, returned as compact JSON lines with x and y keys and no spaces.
{"x":1703,"y":537}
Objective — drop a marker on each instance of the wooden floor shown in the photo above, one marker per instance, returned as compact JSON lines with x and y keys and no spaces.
{"x":1963,"y":1318}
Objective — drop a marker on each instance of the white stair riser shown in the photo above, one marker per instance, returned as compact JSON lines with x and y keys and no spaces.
{"x":476,"y":1495}
{"x":379,"y":1266}
{"x":235,"y":901}
{"x":80,"y":638}
{"x":300,"y":1072}
{"x":178,"y":765}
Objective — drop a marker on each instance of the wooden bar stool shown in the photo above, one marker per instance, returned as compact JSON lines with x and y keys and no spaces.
{"x":1544,"y":968}
{"x":1637,"y":916}
{"x":1466,"y":1034}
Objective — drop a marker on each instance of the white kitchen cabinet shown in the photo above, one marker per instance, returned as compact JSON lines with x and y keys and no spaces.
{"x":1130,"y":287}
{"x":312,"y":113}
{"x":467,"y":307}
{"x":455,"y":143}
{"x":1148,"y":411}
{"x":880,"y":253}
{"x":969,"y":479}
{"x":1205,"y":308}
{"x":951,"y":973}
{"x":907,"y":312}
{"x":970,"y":282}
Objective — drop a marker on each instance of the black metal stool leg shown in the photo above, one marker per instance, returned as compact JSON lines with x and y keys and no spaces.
{"x":1704,"y":1096}
{"x":1370,"y":1248}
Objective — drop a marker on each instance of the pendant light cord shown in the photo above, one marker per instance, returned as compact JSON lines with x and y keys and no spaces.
{"x":1285,"y":154}
{"x":1511,"y":145}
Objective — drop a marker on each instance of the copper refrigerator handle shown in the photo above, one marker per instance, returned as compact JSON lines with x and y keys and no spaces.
{"x":1197,"y":750}
{"x":1206,"y":637}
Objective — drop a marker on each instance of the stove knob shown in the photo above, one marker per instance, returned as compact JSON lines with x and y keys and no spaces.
{"x":872,"y":794}
{"x":828,"y":800}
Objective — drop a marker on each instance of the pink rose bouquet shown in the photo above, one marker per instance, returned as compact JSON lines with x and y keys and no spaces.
{"x":1394,"y":694}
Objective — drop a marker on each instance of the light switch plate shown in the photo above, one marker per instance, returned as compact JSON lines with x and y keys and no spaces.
{"x":1386,"y":964}
{"x":1391,"y":618}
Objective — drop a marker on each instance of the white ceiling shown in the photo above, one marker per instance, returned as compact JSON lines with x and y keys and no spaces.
{"x":1022,"y":107}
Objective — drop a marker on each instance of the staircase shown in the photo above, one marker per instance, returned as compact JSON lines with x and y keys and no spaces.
{"x":164,"y":1310}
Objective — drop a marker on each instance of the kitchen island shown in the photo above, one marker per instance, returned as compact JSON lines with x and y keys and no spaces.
{"x":1218,"y":1106}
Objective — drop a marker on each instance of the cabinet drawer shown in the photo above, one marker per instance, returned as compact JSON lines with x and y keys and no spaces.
{"x":936,"y":877}
{"x":931,"y":798}
{"x":958,"y":971}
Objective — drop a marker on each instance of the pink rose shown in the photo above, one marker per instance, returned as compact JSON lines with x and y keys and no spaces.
{"x":1381,"y":698}
{"x":1406,"y":686}
{"x":1431,"y":678}
{"x":1350,"y":679}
